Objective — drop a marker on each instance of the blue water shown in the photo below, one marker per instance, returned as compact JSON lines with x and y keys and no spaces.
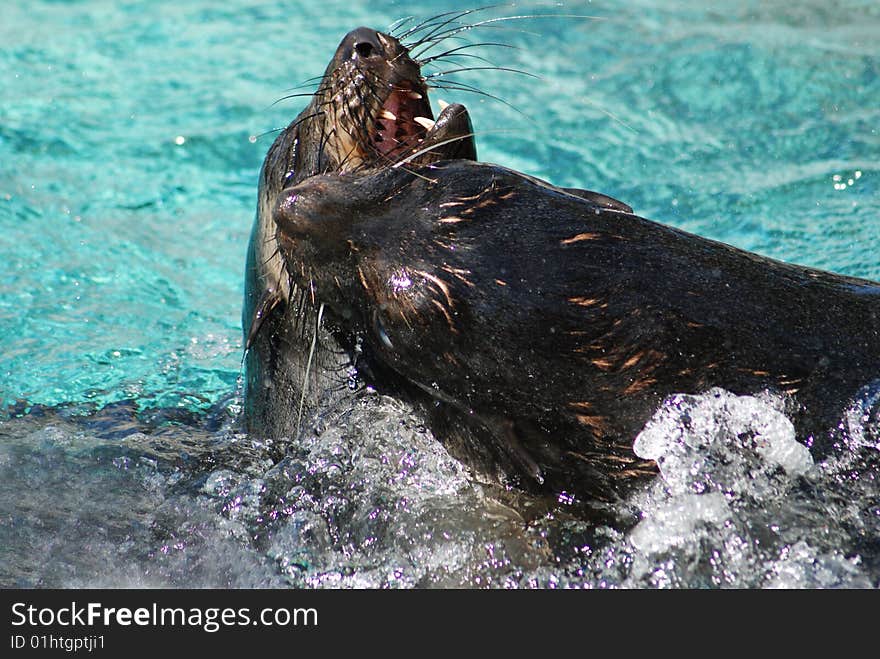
{"x":131,"y":136}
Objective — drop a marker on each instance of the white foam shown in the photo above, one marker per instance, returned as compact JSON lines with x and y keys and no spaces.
{"x":369,"y":498}
{"x":861,"y":429}
{"x":721,"y":441}
{"x":675,"y":521}
{"x":719,"y":454}
{"x":802,"y":566}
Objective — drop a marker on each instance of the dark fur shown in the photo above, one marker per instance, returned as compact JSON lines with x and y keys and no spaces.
{"x":549,"y":327}
{"x":537,"y":327}
{"x":332,"y":134}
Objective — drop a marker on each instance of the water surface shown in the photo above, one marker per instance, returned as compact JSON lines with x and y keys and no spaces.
{"x":131,"y":135}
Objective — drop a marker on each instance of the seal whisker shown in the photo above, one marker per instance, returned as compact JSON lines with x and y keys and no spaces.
{"x":418,"y":175}
{"x":455,"y":85}
{"x":289,"y":96}
{"x":254,"y":138}
{"x":434,"y":23}
{"x":292,"y":290}
{"x":296,"y":123}
{"x":349,"y":156}
{"x":324,"y":103}
{"x":427,"y":44}
{"x":310,"y":81}
{"x":305,"y":381}
{"x":480,"y":68}
{"x":325,"y":139}
{"x":312,"y":288}
{"x":400,"y":22}
{"x":275,"y":253}
{"x":491,"y":22}
{"x":455,"y":52}
{"x":301,"y":318}
{"x":432,"y":147}
{"x":609,"y":114}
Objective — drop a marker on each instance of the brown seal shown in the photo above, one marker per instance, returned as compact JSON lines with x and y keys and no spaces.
{"x":370,"y":110}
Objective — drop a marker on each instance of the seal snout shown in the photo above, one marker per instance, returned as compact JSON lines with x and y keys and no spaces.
{"x":305,"y":215}
{"x":285,"y":215}
{"x":295,"y":214}
{"x":363,"y":44}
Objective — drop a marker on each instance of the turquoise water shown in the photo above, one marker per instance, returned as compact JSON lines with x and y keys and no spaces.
{"x":132,"y":132}
{"x":128,"y":172}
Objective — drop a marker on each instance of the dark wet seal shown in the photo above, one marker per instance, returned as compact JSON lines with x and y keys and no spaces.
{"x":370,"y":109}
{"x":541,"y":329}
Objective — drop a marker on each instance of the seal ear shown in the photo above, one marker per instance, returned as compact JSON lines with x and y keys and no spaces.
{"x":599,"y":199}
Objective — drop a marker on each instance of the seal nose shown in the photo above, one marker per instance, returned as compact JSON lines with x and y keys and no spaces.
{"x":309,"y":216}
{"x":363,"y":44}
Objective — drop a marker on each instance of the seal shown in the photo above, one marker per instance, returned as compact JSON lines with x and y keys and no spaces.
{"x":542,"y":328}
{"x":371,"y":110}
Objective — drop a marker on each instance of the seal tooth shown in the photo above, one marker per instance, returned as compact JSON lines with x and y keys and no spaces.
{"x":414,"y":95}
{"x":387,"y":114}
{"x":424,"y":121}
{"x":443,"y":104}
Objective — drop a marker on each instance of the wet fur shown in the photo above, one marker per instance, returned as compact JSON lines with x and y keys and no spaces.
{"x":542,"y":329}
{"x":281,"y":329}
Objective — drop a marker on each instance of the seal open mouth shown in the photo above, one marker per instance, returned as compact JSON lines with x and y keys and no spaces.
{"x":403,"y":121}
{"x":405,"y":128}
